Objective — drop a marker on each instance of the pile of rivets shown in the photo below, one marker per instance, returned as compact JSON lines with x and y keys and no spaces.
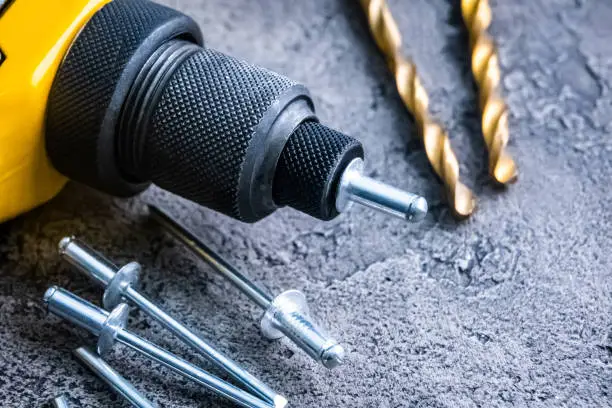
{"x":286,"y":315}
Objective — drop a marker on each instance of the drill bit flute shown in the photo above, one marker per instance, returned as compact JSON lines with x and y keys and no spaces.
{"x":485,"y":67}
{"x":435,"y":139}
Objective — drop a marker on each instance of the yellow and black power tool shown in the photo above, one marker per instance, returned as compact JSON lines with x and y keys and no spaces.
{"x":120,"y":94}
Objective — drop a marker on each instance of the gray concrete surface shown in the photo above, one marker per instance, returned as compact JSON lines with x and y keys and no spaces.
{"x":511,"y":308}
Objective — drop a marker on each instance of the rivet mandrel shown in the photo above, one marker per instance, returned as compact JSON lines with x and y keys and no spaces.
{"x":285,"y":315}
{"x":121,"y":283}
{"x":111,"y":377}
{"x":110,"y":328}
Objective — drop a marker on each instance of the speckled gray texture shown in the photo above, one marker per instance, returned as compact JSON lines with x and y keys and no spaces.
{"x":511,"y":308}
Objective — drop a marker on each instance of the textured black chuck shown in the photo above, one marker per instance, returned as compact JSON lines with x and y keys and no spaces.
{"x":92,"y":83}
{"x":202,"y":126}
{"x":310,"y":167}
{"x":139,"y":100}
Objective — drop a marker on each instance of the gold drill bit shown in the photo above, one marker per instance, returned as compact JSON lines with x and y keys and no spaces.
{"x":485,"y":67}
{"x":437,"y":144}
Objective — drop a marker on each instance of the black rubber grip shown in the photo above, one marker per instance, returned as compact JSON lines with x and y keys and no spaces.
{"x":310,"y":167}
{"x":91,"y":85}
{"x":203,"y":129}
{"x":137,"y":99}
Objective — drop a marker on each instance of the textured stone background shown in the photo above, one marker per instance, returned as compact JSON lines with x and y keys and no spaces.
{"x":512,"y":308}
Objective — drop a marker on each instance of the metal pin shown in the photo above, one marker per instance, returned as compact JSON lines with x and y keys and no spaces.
{"x":120,"y":283}
{"x":109,"y":327}
{"x":60,"y":402}
{"x":285,"y":315}
{"x":355,"y":187}
{"x":119,"y":384}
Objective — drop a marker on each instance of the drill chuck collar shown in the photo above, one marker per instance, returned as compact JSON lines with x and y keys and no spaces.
{"x":138,"y":99}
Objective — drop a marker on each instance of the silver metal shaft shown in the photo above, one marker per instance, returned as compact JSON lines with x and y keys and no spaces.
{"x":60,"y":402}
{"x":285,"y":315}
{"x":109,"y":276}
{"x":190,"y":371}
{"x":187,"y":336}
{"x":86,"y":259}
{"x":208,"y":255}
{"x":119,"y":384}
{"x":354,"y":187}
{"x":82,"y":313}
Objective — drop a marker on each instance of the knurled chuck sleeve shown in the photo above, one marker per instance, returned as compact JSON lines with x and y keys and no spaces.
{"x":310,"y":168}
{"x":139,"y":100}
{"x":92,"y":83}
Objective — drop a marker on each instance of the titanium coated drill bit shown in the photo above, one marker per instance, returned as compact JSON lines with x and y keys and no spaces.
{"x":485,"y":67}
{"x":437,"y":144}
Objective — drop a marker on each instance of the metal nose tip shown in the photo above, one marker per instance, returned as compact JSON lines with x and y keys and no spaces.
{"x":280,"y":401}
{"x":354,"y":187}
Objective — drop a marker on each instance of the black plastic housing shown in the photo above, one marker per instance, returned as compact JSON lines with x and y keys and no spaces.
{"x":92,"y":83}
{"x":210,"y":128}
{"x":139,"y":100}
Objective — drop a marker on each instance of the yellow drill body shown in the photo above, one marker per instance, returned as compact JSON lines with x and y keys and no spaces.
{"x":34,"y":37}
{"x":83,"y":91}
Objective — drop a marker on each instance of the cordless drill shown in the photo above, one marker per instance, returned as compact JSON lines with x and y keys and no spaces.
{"x":121,"y":94}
